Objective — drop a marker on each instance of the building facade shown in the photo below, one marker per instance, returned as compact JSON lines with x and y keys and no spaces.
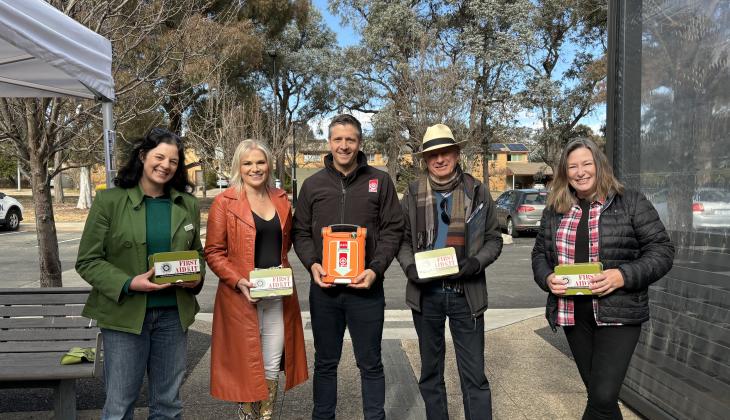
{"x":668,"y":126}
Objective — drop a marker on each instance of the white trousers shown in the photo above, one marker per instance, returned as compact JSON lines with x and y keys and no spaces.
{"x":271,"y":328}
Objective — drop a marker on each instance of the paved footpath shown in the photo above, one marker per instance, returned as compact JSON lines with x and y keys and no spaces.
{"x":527,"y":365}
{"x":529,"y":368}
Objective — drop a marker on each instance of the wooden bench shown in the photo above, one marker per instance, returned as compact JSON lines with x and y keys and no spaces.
{"x":37,"y":326}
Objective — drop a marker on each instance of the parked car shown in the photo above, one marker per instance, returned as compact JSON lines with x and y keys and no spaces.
{"x":11,"y":212}
{"x":520,"y":210}
{"x":710,"y":207}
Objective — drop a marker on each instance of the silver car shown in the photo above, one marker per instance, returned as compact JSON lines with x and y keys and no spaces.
{"x":520,"y":210}
{"x":710,"y":207}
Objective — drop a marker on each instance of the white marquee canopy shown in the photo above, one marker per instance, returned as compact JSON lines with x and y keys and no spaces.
{"x":45,"y":53}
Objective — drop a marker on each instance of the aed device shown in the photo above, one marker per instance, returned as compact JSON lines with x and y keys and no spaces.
{"x":343,"y":253}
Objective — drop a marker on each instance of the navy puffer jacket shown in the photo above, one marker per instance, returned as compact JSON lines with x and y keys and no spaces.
{"x":631,"y":239}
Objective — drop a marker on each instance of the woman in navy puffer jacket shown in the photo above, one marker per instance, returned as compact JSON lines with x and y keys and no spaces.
{"x":591,"y":217}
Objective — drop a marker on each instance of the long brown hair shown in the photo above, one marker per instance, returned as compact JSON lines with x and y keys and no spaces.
{"x":562,"y":195}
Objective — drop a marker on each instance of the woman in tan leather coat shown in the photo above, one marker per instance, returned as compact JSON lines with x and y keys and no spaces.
{"x":252,"y":340}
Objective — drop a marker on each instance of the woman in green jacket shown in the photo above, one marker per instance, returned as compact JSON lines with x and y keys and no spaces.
{"x":144,"y":324}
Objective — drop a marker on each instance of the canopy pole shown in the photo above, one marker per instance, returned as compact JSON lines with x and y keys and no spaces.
{"x":107,"y":108}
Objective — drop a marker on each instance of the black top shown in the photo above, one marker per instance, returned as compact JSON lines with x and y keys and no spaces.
{"x":582,"y":251}
{"x":268,"y":242}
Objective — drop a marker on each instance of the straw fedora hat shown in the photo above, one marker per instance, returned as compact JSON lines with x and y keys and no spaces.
{"x":438,"y":136}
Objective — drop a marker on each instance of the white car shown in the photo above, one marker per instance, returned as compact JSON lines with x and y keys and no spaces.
{"x":11,"y":212}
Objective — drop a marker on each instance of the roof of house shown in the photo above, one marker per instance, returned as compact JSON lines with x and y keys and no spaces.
{"x":508,"y":147}
{"x":528,"y":168}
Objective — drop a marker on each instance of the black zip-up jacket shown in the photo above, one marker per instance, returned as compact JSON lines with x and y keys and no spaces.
{"x":483,"y":241}
{"x":631,"y":239}
{"x":366,"y":197}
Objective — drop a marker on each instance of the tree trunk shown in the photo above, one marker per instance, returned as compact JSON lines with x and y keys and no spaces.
{"x":84,"y":189}
{"x":58,"y":196}
{"x":50,"y":264}
{"x":203,"y":186}
{"x":176,"y":121}
{"x":485,"y":163}
{"x":392,"y":153}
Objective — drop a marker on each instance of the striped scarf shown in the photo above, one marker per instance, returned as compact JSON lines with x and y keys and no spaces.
{"x":426,"y":212}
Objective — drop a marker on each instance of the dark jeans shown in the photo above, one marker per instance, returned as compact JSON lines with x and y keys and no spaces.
{"x":602,"y":355}
{"x":363,"y":314}
{"x":468,"y":336}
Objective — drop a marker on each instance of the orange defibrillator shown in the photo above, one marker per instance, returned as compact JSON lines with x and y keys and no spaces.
{"x":343,"y":253}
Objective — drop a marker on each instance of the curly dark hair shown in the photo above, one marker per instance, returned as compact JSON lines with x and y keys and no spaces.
{"x":130,"y":174}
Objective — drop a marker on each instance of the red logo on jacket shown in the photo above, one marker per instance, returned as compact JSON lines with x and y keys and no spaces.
{"x":373,"y":185}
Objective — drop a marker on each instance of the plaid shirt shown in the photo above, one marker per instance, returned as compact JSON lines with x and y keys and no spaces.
{"x":565,"y":247}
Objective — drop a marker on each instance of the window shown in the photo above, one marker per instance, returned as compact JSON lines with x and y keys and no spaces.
{"x":535,"y":198}
{"x":514,"y":157}
{"x":312,"y":157}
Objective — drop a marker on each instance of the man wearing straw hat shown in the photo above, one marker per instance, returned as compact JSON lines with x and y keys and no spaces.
{"x":446,"y":207}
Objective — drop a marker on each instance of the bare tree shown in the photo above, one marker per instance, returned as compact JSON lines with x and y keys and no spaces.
{"x":42,"y":128}
{"x":222,"y":122}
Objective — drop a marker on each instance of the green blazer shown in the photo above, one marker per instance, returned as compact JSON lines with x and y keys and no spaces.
{"x":113,"y":248}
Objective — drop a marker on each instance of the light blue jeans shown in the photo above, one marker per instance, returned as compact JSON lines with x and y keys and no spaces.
{"x":159,"y":350}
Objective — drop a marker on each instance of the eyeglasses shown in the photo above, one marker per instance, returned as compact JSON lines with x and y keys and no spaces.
{"x":444,"y":214}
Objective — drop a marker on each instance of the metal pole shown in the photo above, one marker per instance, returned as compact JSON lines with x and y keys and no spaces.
{"x":18,"y":174}
{"x":294,"y":168}
{"x":107,"y":109}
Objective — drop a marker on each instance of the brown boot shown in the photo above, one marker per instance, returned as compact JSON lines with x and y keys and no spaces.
{"x":248,"y":410}
{"x":267,"y":406}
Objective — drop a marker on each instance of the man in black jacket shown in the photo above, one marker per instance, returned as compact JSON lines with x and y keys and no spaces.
{"x":446,"y":208}
{"x":348,"y":191}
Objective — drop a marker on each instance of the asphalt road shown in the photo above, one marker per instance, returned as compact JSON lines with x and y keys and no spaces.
{"x":509,"y":279}
{"x":19,"y":255}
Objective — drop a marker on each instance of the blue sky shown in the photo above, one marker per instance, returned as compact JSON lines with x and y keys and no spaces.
{"x":347,"y":36}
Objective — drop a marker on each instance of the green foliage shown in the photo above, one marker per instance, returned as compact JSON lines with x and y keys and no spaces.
{"x":8,"y":164}
{"x":564,"y":84}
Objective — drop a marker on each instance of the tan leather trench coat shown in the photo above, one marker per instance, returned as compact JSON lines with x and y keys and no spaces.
{"x":237,"y":367}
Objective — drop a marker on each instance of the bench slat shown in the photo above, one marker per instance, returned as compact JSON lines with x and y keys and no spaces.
{"x":45,"y":366}
{"x":52,"y":334}
{"x":42,"y":346}
{"x":43,"y":290}
{"x":43,"y":299}
{"x":54,"y":310}
{"x":46,"y":322}
{"x":52,"y":321}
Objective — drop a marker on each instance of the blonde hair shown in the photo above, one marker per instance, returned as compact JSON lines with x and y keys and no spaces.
{"x":562,"y":196}
{"x":244,"y":148}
